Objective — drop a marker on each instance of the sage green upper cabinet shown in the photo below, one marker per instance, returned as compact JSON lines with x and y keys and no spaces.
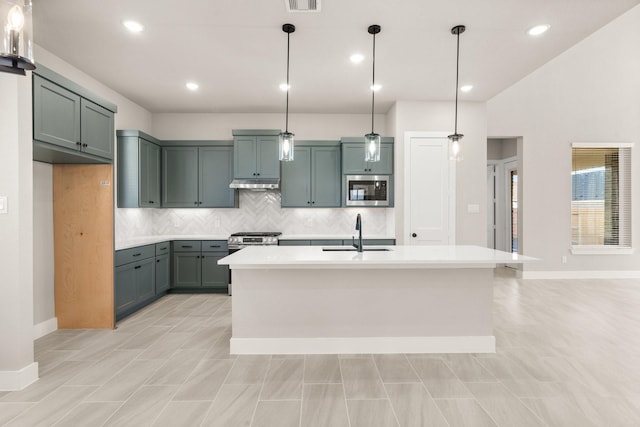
{"x":96,"y":129}
{"x":180,"y":177}
{"x":56,"y":114}
{"x":138,"y":170}
{"x":215,"y":174}
{"x":198,"y":176}
{"x":353,"y":158}
{"x":70,"y":124}
{"x":312,"y":179}
{"x":256,"y":154}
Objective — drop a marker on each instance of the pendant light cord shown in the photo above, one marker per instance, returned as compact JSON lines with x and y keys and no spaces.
{"x":373,"y":82}
{"x":286,"y":126}
{"x":457,"y":69}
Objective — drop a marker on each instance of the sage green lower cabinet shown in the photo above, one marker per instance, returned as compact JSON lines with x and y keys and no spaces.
{"x":312,"y":179}
{"x":163,"y":278}
{"x":195,"y":265}
{"x":214,"y":275}
{"x":134,"y":282}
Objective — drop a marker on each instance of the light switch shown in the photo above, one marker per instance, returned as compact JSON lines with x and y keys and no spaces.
{"x":3,"y":204}
{"x":473,"y":208}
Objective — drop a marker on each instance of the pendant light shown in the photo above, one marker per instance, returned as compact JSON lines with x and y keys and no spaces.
{"x":16,"y":49}
{"x":456,"y":137}
{"x":287,"y":139}
{"x":372,"y":140}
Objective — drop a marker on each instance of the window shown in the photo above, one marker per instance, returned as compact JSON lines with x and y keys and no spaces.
{"x":601,"y":197}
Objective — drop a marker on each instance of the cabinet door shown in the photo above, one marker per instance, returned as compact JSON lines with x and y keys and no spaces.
{"x":325,"y":177}
{"x":295,"y":183}
{"x":149,"y":174}
{"x":215,"y":175}
{"x":162,"y":274}
{"x":214,"y":275}
{"x":268,"y":165}
{"x":96,"y":124}
{"x":56,"y":114}
{"x":145,"y":273}
{"x":244,"y":157}
{"x":125,"y":288}
{"x":385,"y":165}
{"x":353,"y":159}
{"x":180,"y":177}
{"x":186,"y":269}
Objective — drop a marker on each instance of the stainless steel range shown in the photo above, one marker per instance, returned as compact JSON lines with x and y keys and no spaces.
{"x":243,"y":239}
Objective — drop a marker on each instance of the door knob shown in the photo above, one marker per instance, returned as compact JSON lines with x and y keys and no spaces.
{"x":414,"y":235}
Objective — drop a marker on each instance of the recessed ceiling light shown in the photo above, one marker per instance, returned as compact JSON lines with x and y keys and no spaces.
{"x":357,"y":58}
{"x":133,"y":26}
{"x":466,"y":88}
{"x":284,"y":87}
{"x":193,"y":86}
{"x":538,"y":29}
{"x":376,"y":87}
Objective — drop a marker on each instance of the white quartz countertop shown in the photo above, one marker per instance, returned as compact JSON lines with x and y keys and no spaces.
{"x":150,"y":240}
{"x":280,"y":257}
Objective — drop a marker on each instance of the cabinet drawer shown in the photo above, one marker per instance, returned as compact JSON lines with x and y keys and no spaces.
{"x":187,"y":246}
{"x":294,"y":243}
{"x":138,"y":253}
{"x":162,"y":248}
{"x":214,"y":246}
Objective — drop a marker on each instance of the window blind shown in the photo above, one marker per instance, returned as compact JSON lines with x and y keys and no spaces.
{"x":601,"y":195}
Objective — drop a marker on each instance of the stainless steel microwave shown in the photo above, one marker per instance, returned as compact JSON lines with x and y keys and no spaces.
{"x":367,"y":190}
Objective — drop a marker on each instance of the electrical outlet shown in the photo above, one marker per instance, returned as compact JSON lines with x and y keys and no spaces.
{"x":3,"y":204}
{"x":564,"y":259}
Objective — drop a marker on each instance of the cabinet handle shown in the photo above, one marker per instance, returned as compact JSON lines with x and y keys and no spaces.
{"x":79,"y":143}
{"x":186,"y":247}
{"x":151,"y":201}
{"x":313,"y":203}
{"x":157,"y":260}
{"x":137,"y":254}
{"x":163,"y":249}
{"x":199,"y":203}
{"x":214,"y":246}
{"x":308,"y":202}
{"x":84,"y":145}
{"x":137,"y":267}
{"x":258,"y":174}
{"x":414,"y":235}
{"x":254,"y":174}
{"x":195,"y":203}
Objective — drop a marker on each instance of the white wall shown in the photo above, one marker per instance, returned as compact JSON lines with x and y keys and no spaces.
{"x":470,"y":173}
{"x":589,"y":93}
{"x":17,"y":367}
{"x":304,"y":126}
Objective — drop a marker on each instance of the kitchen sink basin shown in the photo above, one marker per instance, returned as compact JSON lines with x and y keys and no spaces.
{"x":348,"y":249}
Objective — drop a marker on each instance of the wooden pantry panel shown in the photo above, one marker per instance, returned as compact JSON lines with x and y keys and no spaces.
{"x":83,"y":245}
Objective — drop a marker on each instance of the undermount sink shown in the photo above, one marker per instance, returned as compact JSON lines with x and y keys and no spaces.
{"x":348,"y":249}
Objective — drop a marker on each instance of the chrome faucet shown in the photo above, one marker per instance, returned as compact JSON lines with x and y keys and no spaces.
{"x":358,"y":245}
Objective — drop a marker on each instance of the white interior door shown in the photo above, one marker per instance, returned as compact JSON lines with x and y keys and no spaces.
{"x":430,"y":190}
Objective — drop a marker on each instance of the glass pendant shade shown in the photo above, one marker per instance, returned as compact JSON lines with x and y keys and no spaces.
{"x":16,"y":51}
{"x":455,"y":147}
{"x":286,"y":144}
{"x":372,"y":147}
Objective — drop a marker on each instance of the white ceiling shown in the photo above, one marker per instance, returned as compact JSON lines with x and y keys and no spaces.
{"x":236,"y":49}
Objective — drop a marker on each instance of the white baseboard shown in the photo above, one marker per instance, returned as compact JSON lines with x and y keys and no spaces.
{"x":364,"y":345}
{"x":17,"y":380}
{"x":587,"y":274}
{"x":45,"y":328}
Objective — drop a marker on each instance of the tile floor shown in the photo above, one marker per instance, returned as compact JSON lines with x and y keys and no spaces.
{"x":568,"y":355}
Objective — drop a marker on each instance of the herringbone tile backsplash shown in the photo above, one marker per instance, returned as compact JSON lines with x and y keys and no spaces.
{"x":258,"y":211}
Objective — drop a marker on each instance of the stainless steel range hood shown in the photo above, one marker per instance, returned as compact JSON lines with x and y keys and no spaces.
{"x":256,"y":184}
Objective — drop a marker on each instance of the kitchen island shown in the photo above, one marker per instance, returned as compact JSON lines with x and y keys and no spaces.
{"x":394,"y":299}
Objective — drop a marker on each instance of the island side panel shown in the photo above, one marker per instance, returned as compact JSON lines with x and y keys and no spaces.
{"x":386,"y":311}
